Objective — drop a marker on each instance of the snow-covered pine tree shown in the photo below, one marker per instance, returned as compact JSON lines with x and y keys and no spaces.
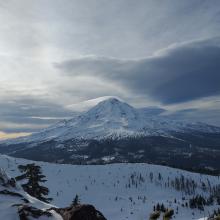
{"x":76,"y":200}
{"x":34,"y":177}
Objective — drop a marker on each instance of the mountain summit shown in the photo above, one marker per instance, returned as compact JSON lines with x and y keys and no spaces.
{"x":112,"y":108}
{"x":114,"y":131}
{"x":116,"y":119}
{"x":113,"y":114}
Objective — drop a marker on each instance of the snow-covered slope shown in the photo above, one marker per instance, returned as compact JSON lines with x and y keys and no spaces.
{"x":120,"y":191}
{"x":115,"y":119}
{"x":12,"y":198}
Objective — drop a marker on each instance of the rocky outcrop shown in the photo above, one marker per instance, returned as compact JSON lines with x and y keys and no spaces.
{"x":25,"y":212}
{"x":14,"y":196}
{"x":5,"y":180}
{"x":80,"y":212}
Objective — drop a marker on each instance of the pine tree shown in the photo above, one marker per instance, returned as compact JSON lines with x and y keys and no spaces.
{"x":162,"y":208}
{"x":34,"y":177}
{"x":76,"y":201}
{"x":158,"y":207}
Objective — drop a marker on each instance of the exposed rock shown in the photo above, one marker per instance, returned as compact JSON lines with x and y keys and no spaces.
{"x":155,"y":215}
{"x":80,"y":212}
{"x":169,"y":213}
{"x":25,"y":211}
{"x":7,"y":192}
{"x":5,"y":180}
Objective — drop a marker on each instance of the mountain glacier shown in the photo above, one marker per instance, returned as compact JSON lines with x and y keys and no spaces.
{"x":113,"y":118}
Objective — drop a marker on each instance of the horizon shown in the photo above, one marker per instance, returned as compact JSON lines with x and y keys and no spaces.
{"x":84,"y":107}
{"x":61,"y":57}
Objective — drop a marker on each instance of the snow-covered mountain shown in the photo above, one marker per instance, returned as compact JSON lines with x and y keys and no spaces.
{"x":113,"y":131}
{"x":116,"y":119}
{"x":119,"y":191}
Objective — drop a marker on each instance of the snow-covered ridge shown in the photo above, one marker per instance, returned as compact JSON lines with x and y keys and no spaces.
{"x":114,"y":118}
{"x":13,"y":197}
{"x":117,"y":189}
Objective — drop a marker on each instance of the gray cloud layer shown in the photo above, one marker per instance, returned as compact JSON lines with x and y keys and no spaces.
{"x":181,"y":73}
{"x":104,"y":43}
{"x":28,"y":115}
{"x":119,"y":28}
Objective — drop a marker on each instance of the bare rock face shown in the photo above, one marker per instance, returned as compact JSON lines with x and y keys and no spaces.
{"x":25,"y":211}
{"x":5,"y":180}
{"x":80,"y":212}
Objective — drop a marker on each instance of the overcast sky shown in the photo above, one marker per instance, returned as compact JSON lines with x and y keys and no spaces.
{"x":55,"y":54}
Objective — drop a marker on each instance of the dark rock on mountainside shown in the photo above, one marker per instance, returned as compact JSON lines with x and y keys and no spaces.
{"x":19,"y":205}
{"x":80,"y":212}
{"x":25,"y":211}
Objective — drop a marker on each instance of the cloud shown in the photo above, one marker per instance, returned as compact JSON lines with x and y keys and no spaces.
{"x":209,"y":116}
{"x":123,"y":28}
{"x":119,"y":34}
{"x":29,"y":115}
{"x":4,"y":135}
{"x":180,"y":73}
{"x":86,"y":105}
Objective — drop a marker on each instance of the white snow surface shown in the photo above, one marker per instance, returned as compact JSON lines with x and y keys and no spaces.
{"x":10,"y":212}
{"x":104,"y":186}
{"x":116,"y":119}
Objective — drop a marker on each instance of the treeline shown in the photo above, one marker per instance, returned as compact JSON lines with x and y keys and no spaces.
{"x":196,"y":194}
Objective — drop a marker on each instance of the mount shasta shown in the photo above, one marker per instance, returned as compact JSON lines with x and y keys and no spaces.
{"x":113,"y":131}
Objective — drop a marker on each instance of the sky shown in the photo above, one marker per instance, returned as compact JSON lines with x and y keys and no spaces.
{"x":56,"y":54}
